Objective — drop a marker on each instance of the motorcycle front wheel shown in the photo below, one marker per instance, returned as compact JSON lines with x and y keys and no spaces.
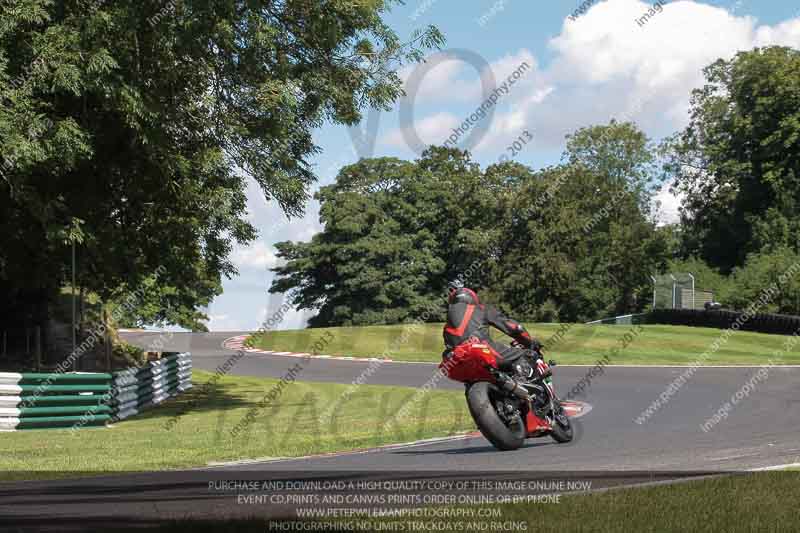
{"x":505,"y":436}
{"x":562,"y":427}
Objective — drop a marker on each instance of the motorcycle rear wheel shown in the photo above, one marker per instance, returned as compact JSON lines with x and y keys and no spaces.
{"x":480,"y":399}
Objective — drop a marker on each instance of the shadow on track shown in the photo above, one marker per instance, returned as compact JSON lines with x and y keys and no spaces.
{"x":471,"y":450}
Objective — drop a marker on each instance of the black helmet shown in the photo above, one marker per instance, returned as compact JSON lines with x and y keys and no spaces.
{"x":463,"y":295}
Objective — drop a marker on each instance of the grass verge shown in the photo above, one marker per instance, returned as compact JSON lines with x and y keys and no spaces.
{"x":288,"y":426}
{"x":579,"y":344}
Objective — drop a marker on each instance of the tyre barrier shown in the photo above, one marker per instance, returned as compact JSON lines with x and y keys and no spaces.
{"x":758,"y":322}
{"x":137,"y":389}
{"x":78,"y":399}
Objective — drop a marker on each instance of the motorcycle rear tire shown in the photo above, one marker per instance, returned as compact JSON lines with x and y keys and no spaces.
{"x":482,"y":409}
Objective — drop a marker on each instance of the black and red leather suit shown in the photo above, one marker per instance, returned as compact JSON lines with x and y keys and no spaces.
{"x":469,"y":320}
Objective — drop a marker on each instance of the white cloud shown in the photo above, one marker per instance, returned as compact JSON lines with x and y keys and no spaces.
{"x":508,"y":125}
{"x":444,"y":83}
{"x":658,"y":63}
{"x":450,"y":78}
{"x":258,"y":255}
{"x":605,"y":61}
{"x":438,"y":83}
{"x":786,"y":33}
{"x":607,"y":66}
{"x":432,"y":130}
{"x":505,"y":66}
{"x":227,"y":322}
{"x":222,"y":322}
{"x":292,"y":319}
{"x":667,"y":205}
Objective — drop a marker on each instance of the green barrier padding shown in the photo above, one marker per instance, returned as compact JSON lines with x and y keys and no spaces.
{"x":59,"y":400}
{"x":82,"y":399}
{"x":65,"y":377}
{"x":66,"y":388}
{"x":59,"y":410}
{"x":58,"y":421}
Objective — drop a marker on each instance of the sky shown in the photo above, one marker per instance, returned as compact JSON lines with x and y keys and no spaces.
{"x":572,"y":63}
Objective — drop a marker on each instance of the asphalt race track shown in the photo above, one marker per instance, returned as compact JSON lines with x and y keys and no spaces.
{"x":763,"y":430}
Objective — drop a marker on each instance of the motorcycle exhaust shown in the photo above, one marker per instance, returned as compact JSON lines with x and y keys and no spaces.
{"x":508,"y":384}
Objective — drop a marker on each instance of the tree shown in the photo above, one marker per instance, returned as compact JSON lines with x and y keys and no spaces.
{"x":619,"y":151}
{"x":567,"y":242}
{"x":602,"y":221}
{"x":772,"y":277}
{"x":738,"y":161}
{"x":581,"y":251}
{"x":394,"y":233}
{"x":139,"y":122}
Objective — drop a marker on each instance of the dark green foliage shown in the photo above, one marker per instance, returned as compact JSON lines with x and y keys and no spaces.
{"x":706,"y":277}
{"x":779,"y":269}
{"x":130,"y":127}
{"x":738,"y":161}
{"x":393,"y":237}
{"x":566,"y":243}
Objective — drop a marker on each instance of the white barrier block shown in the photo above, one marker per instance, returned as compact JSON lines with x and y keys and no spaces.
{"x":9,"y":424}
{"x":10,"y":401}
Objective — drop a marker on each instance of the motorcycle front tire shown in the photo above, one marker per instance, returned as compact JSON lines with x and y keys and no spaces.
{"x":562,"y":433}
{"x":482,"y":409}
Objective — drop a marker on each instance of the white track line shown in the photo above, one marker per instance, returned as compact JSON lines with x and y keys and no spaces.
{"x":681,"y":366}
{"x":400,"y":446}
{"x":237,"y":344}
{"x":681,"y":480}
{"x":456,"y":438}
{"x":776,"y":467}
{"x":226,"y":344}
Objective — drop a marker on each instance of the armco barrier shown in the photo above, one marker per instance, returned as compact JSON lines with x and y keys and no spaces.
{"x":624,"y":320}
{"x":39,"y":401}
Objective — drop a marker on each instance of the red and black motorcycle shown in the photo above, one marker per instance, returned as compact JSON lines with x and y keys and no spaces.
{"x":512,"y":404}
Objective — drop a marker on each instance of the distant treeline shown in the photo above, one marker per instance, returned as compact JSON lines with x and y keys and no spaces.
{"x":579,"y":240}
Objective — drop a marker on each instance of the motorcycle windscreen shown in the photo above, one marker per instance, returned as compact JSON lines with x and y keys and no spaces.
{"x":468,"y":363}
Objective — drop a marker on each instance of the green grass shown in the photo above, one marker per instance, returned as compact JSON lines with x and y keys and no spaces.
{"x":731,"y":504}
{"x":753,"y":502}
{"x":288,"y":427}
{"x":582,"y":344}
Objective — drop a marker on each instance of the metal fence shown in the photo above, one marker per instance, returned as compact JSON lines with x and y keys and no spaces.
{"x":678,"y":291}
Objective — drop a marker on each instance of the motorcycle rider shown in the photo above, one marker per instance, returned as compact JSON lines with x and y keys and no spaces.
{"x":468,"y":320}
